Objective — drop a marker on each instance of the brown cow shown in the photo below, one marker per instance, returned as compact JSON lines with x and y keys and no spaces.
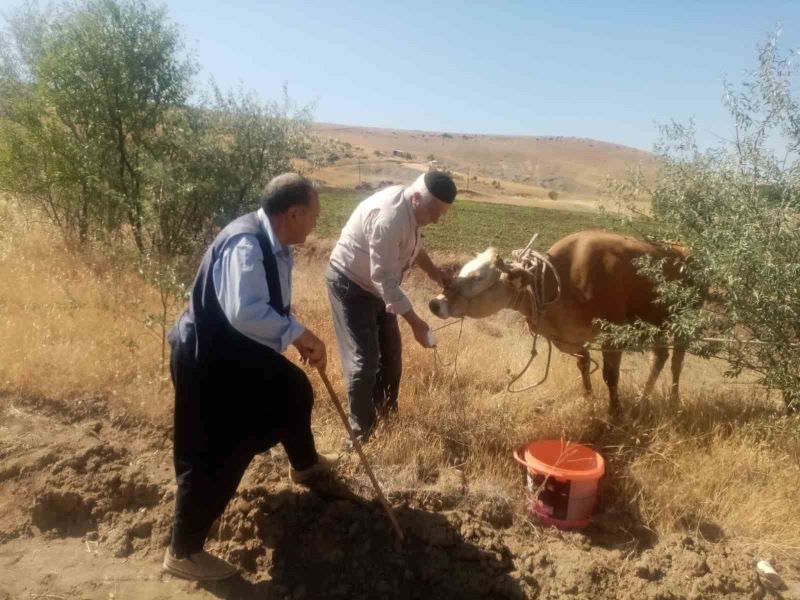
{"x":599,"y":280}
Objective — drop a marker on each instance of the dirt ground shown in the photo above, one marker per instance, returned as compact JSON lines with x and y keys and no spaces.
{"x":86,"y":499}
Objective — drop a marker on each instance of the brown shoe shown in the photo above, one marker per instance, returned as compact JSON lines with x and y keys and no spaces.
{"x":325,"y":464}
{"x":200,"y":566}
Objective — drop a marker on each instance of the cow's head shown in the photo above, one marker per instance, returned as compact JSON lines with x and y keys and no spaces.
{"x":484,"y":286}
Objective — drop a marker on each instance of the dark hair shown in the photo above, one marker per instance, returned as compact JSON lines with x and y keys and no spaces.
{"x":285,"y":191}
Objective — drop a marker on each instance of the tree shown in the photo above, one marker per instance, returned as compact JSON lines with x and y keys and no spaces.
{"x":112,"y":70}
{"x":213,"y":162}
{"x":255,"y":142}
{"x":39,"y":158}
{"x":91,"y":86}
{"x":97,"y":131}
{"x":737,"y":206}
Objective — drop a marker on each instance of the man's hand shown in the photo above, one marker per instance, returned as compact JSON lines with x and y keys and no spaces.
{"x":419,"y":327}
{"x":445,"y":278}
{"x":312,"y":350}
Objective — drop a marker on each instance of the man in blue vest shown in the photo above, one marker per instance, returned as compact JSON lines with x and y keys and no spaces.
{"x":236,"y":395}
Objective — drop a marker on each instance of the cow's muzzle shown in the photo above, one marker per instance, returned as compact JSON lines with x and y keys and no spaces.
{"x":438,"y":307}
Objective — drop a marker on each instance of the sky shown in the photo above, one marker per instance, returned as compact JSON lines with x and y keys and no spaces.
{"x":598,"y":69}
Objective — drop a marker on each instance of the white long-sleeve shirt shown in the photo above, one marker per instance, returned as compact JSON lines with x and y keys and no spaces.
{"x":241,"y":287}
{"x":378,"y":245}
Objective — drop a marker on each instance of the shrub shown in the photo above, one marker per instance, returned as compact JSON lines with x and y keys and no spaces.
{"x":737,"y":206}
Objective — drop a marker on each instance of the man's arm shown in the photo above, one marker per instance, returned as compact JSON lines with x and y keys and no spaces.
{"x":241,"y":286}
{"x":385,"y":272}
{"x":439,"y":276}
{"x":385,"y":269}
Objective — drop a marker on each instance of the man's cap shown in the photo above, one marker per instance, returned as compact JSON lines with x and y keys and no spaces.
{"x":441,"y":185}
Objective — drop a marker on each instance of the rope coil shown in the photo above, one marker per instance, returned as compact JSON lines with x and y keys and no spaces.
{"x":537,"y":266}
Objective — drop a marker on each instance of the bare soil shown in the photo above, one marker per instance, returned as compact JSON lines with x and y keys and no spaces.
{"x":86,"y":497}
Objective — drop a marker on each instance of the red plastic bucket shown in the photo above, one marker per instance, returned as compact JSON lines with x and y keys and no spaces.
{"x":561,"y":479}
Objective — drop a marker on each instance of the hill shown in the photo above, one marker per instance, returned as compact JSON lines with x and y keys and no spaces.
{"x":552,"y":172}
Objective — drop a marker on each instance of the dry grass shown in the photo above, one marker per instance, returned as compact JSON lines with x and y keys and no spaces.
{"x":726,"y":462}
{"x":75,"y":323}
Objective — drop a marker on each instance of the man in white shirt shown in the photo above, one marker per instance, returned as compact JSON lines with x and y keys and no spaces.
{"x":380,"y":242}
{"x":236,"y":395}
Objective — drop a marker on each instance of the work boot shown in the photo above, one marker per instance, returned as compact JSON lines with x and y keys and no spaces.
{"x":325,"y":464}
{"x":200,"y":566}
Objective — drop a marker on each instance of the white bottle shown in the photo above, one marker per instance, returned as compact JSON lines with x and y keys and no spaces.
{"x":767,"y":572}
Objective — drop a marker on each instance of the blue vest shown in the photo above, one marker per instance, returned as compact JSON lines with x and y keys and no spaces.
{"x":203,"y":333}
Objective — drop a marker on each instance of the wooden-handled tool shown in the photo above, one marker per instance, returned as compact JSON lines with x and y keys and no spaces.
{"x":357,"y":445}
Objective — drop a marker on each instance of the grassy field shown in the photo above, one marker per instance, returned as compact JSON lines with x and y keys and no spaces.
{"x":473,"y":226}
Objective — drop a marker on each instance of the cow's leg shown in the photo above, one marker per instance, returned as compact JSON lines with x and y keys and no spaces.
{"x":658,"y":356}
{"x":611,"y":362}
{"x":678,"y":354}
{"x":584,"y":364}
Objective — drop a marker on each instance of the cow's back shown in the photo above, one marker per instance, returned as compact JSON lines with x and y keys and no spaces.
{"x":600,"y":280}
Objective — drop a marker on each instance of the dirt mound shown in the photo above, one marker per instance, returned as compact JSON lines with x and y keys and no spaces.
{"x":283,"y":534}
{"x":59,"y":479}
{"x":64,"y":511}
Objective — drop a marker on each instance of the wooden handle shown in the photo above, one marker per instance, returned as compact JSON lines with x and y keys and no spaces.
{"x":357,"y":445}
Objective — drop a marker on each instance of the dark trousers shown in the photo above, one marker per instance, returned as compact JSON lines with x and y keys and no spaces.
{"x":225,"y":413}
{"x":370,"y":347}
